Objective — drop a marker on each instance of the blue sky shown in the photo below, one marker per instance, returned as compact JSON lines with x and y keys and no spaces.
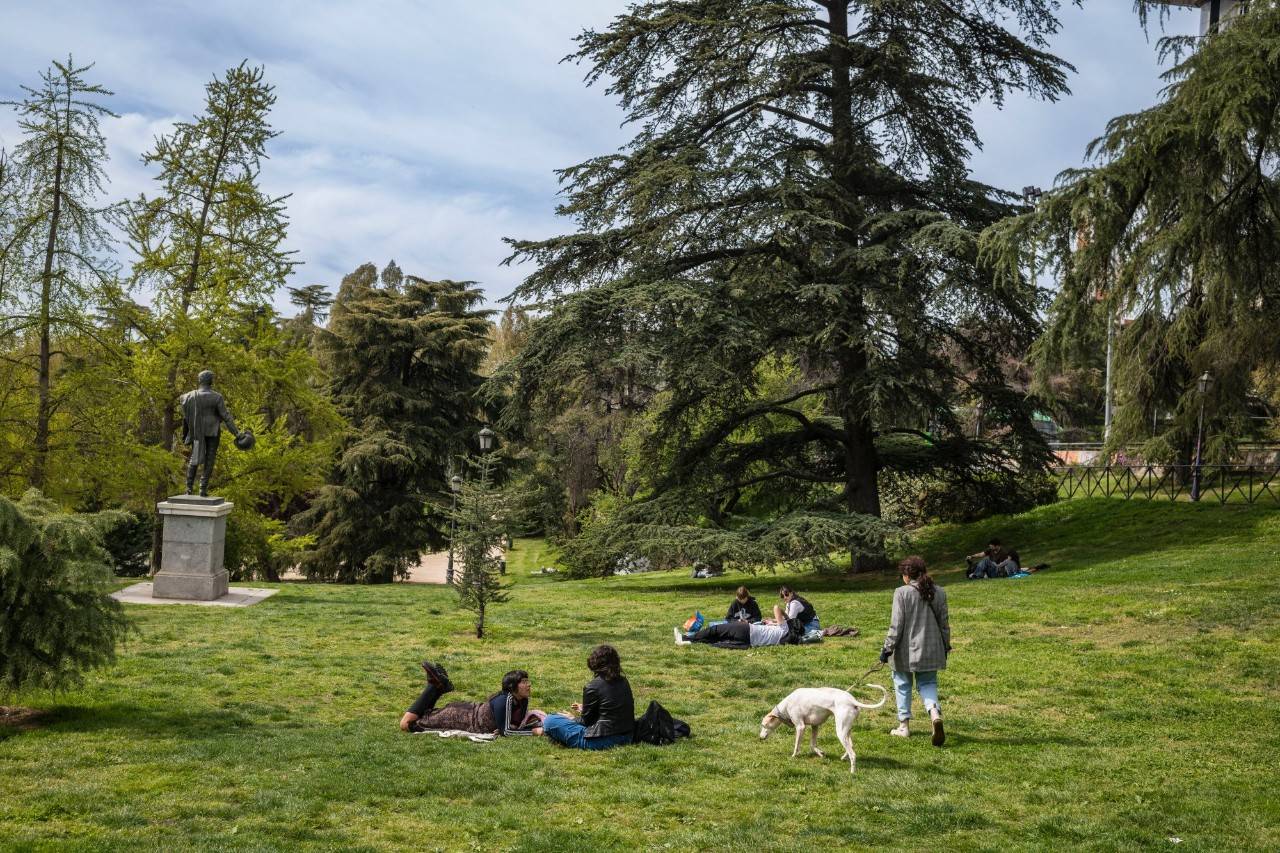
{"x":427,"y":130}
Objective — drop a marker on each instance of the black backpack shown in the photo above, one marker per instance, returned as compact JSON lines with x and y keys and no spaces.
{"x":658,"y":727}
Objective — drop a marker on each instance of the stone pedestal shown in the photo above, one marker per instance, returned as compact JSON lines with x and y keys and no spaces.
{"x":195,"y":531}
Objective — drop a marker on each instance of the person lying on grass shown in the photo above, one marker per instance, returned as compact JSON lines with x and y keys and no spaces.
{"x":606,"y":714}
{"x":504,"y":713}
{"x":741,"y":633}
{"x":744,"y":607}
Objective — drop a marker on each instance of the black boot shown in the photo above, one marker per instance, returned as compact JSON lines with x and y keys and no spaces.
{"x":436,"y":675}
{"x":191,"y":484}
{"x":204,"y":488}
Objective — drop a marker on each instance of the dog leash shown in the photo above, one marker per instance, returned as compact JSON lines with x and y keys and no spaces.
{"x":857,"y":683}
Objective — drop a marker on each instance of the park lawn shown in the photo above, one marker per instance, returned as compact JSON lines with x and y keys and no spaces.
{"x":1123,"y":699}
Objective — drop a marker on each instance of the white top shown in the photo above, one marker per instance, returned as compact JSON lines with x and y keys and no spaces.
{"x":767,"y":635}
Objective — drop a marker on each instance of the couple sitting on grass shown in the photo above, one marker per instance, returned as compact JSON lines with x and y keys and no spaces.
{"x":606,"y":715}
{"x":997,"y":561}
{"x":791,"y":620}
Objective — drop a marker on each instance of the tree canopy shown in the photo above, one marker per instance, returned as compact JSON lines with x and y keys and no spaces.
{"x":786,"y":256}
{"x":1174,"y":232}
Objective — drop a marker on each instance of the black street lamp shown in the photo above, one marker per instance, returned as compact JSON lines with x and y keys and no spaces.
{"x":486,"y":439}
{"x":455,"y":485}
{"x":1204,"y":385}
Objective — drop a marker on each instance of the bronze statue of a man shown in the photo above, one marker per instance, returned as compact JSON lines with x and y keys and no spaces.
{"x":203,"y":414}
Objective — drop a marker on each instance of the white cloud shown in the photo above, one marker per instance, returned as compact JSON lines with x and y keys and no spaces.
{"x":427,"y":130}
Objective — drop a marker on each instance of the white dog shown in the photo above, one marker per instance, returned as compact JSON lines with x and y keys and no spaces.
{"x":809,"y":707}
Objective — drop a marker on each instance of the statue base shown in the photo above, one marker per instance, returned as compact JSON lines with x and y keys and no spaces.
{"x":195,"y":532}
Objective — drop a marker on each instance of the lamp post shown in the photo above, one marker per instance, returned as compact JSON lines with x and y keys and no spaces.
{"x":455,"y":485}
{"x":1204,"y":385}
{"x":486,"y":444}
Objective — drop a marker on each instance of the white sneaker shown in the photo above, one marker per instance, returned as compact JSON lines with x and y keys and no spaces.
{"x":901,"y":730}
{"x":680,"y":640}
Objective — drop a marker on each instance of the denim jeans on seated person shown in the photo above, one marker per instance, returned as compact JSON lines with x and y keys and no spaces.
{"x":573,"y":734}
{"x":926,"y":685}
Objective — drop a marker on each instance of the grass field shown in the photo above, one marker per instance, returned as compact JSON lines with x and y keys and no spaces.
{"x":1123,"y":699}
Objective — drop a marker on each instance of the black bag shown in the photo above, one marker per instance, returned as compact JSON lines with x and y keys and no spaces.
{"x":658,"y":727}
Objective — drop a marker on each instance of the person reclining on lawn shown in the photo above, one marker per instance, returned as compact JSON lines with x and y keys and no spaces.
{"x":744,"y":607}
{"x":504,"y":713}
{"x":997,"y":562}
{"x":742,"y":633}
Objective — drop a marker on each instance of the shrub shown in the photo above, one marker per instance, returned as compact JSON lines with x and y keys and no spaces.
{"x":56,"y":619}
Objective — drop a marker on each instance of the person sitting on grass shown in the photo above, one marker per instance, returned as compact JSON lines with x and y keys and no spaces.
{"x":794,"y":610}
{"x":504,"y":713}
{"x":744,"y":607}
{"x":996,"y":561}
{"x":607,"y":713}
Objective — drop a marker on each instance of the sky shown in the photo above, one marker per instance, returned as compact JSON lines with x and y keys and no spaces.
{"x":425,"y":131}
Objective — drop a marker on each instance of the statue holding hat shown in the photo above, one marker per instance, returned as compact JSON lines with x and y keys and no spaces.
{"x":204,"y":412}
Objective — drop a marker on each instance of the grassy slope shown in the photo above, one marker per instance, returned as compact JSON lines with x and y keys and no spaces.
{"x":1125,"y":697}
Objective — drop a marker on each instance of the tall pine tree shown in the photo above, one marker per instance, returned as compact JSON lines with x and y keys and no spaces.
{"x":210,"y":247}
{"x":1175,"y":231}
{"x":796,"y":198}
{"x":57,"y":245}
{"x":402,"y":358}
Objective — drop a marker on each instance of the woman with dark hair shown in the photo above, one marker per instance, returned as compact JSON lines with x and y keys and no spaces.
{"x":607,"y":713}
{"x":794,"y":611}
{"x":504,"y":713}
{"x":744,"y":607}
{"x":919,"y":640}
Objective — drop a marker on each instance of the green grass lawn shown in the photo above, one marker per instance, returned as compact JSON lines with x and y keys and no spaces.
{"x":1124,"y":698}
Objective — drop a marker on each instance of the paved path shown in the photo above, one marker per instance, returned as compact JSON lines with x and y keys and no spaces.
{"x":237,"y":596}
{"x":431,"y":568}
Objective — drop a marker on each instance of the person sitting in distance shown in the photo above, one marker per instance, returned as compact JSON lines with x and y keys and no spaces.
{"x":996,"y":561}
{"x":504,"y":713}
{"x":744,"y":607}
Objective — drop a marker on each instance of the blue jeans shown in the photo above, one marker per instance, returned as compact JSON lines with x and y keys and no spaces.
{"x":926,"y":686}
{"x":573,"y":734}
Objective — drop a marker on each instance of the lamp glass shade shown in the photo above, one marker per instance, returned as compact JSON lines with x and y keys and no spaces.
{"x":486,"y":439}
{"x":1205,"y":382}
{"x":455,"y":482}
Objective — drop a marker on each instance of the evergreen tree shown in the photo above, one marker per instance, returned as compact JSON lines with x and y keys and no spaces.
{"x":797,"y":190}
{"x":481,"y":523}
{"x":57,"y":236}
{"x":56,"y":617}
{"x":1176,"y":230}
{"x":403,"y":368}
{"x":210,"y":245}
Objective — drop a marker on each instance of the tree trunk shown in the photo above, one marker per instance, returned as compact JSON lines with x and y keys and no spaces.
{"x":862,"y":493}
{"x":44,"y":413}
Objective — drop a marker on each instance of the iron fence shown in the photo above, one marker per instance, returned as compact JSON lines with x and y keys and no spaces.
{"x":1248,"y":484}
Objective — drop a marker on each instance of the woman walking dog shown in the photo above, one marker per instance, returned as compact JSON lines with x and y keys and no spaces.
{"x":919,"y":640}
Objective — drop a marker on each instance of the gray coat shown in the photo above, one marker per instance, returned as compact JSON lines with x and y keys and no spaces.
{"x":917,"y":640}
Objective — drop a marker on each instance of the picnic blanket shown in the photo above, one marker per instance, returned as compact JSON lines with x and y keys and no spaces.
{"x":471,"y":736}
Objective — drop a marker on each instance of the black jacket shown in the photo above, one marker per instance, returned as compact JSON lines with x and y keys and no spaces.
{"x":748,"y":611}
{"x":608,"y":707}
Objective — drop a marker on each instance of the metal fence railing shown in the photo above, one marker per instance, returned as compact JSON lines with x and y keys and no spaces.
{"x":1248,"y":484}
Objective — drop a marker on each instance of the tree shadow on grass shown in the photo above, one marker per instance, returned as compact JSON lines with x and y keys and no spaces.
{"x":1069,"y":535}
{"x":123,"y":716}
